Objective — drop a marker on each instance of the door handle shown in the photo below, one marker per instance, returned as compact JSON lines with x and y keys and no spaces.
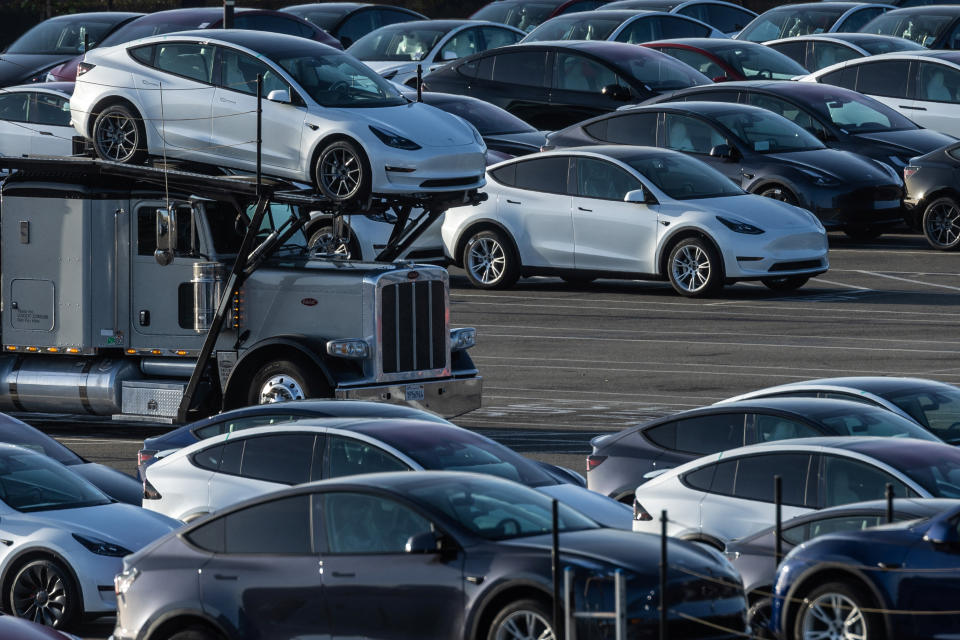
{"x":342,"y":574}
{"x":513,"y":201}
{"x":748,"y":176}
{"x":220,"y":576}
{"x":582,"y":209}
{"x":903,"y":106}
{"x":45,"y":133}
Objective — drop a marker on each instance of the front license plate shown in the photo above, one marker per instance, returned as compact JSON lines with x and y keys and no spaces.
{"x":415,"y":392}
{"x":886,"y":204}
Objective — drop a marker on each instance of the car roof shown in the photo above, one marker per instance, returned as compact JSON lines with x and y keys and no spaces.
{"x":865,"y":445}
{"x":706,"y":43}
{"x":854,"y":37}
{"x":812,"y":408}
{"x":804,"y":6}
{"x":337,"y":408}
{"x":928,"y":10}
{"x":774,"y":86}
{"x":620,"y":152}
{"x":624,"y":14}
{"x":260,"y":41}
{"x":119,"y":15}
{"x":596,"y":47}
{"x":66,"y":88}
{"x":704,"y":107}
{"x":442,"y":23}
{"x":872,"y":384}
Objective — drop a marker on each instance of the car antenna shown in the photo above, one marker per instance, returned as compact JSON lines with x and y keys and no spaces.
{"x":419,"y":83}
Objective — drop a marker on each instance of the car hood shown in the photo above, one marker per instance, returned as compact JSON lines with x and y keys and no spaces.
{"x":766,"y":213}
{"x":841,"y":165}
{"x":598,"y":507}
{"x":911,"y":141}
{"x":425,"y":125}
{"x":19,"y":67}
{"x":531,"y":140}
{"x":123,"y":524}
{"x":115,"y":484}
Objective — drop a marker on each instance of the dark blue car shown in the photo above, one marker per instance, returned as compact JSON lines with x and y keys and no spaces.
{"x":843,"y":585}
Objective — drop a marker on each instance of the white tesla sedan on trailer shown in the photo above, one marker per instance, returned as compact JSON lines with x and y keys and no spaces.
{"x":630,"y":212}
{"x":327,"y":118}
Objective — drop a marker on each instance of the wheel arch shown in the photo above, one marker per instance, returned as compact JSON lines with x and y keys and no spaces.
{"x":476,"y":226}
{"x":705,"y":538}
{"x":171,"y":622}
{"x":109,"y":101}
{"x":778,"y":181}
{"x":940,"y":192}
{"x":36,"y":553}
{"x":330,"y":138}
{"x":500,"y":597}
{"x":678,"y":236}
{"x":276,"y":348}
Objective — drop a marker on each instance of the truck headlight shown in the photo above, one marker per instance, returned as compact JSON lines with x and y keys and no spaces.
{"x":461,"y":339}
{"x":355,"y":349}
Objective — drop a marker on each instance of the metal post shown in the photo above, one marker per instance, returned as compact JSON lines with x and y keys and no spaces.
{"x":419,"y":83}
{"x":569,"y":623}
{"x":778,"y":502}
{"x":228,"y":13}
{"x":555,"y":559}
{"x":620,"y":604}
{"x":259,"y":132}
{"x":889,"y":494}
{"x":663,"y":575}
{"x":86,"y":42}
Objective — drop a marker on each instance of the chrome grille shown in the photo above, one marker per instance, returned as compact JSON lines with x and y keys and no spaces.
{"x":413,"y":326}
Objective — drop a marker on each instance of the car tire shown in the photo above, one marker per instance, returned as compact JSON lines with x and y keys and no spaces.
{"x":694,"y":268}
{"x":777,"y":192}
{"x":758,"y":619}
{"x":342,"y":172}
{"x":842,"y":603}
{"x":941,"y":224}
{"x":490,"y":261}
{"x":320,"y":239}
{"x":862,"y":234}
{"x":283,"y":380}
{"x":43,"y":591}
{"x":119,"y":135}
{"x":194,"y":633}
{"x":523,"y":619}
{"x":786,"y":283}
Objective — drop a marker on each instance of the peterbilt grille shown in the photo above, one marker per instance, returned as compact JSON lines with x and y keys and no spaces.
{"x":414,"y":328}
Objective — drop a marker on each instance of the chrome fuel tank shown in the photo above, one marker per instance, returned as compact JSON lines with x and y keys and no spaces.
{"x":64,"y":385}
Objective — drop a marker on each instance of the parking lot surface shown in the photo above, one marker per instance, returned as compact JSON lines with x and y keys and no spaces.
{"x":563,"y":363}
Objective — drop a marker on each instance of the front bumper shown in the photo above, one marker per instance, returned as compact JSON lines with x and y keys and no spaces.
{"x":873,"y":206}
{"x":448,"y":398}
{"x":802,"y":253}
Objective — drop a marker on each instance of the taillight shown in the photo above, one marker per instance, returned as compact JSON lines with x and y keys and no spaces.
{"x":594,"y":461}
{"x":639,"y":513}
{"x":909,"y":170}
{"x":149,"y":491}
{"x":144,"y":456}
{"x":83,"y":67}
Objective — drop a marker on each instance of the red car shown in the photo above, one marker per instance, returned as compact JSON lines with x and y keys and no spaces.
{"x":527,"y":14}
{"x":721,"y":59}
{"x":160,"y":22}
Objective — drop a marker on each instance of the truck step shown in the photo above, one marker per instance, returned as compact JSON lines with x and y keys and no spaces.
{"x":151,"y":400}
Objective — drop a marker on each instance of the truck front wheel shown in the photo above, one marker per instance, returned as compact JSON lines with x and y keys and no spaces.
{"x":283,"y":380}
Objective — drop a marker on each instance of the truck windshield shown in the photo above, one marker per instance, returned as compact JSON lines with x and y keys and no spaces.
{"x":227,"y":227}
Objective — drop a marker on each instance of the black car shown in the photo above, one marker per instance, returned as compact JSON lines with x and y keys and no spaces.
{"x":932,"y":200}
{"x":819,"y":50}
{"x":622,"y":461}
{"x":841,"y":118}
{"x":810,"y":17}
{"x":763,"y":153}
{"x":935,"y":27}
{"x":55,"y":41}
{"x":626,"y":25}
{"x":553,"y":85}
{"x":350,"y":21}
{"x":426,"y":555}
{"x":527,"y":14}
{"x":723,"y":16}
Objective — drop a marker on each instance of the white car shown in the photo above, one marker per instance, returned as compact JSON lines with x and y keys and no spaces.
{"x":395,"y":51}
{"x":327,"y":119}
{"x":731,"y":494}
{"x":35,"y":120}
{"x":630,"y":212}
{"x":225,"y":469}
{"x":63,"y":540}
{"x":923,"y":85}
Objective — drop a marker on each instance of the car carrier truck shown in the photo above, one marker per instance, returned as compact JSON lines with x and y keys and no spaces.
{"x":165,"y":295}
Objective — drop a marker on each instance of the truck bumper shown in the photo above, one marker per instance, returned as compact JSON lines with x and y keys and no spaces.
{"x":448,"y":398}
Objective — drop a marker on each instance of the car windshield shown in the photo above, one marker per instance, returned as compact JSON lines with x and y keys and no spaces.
{"x":574,"y":27}
{"x":338,"y":80}
{"x":684,"y":178}
{"x":324,"y":18}
{"x":867,"y":421}
{"x":937,"y":472}
{"x":757,"y":61}
{"x":856,"y":113}
{"x":522,"y":15}
{"x":937,"y":409}
{"x":62,"y":36}
{"x":766,"y":132}
{"x":404,"y":42}
{"x":657,"y":72}
{"x":876,"y":47}
{"x":497,"y":510}
{"x":33,"y":482}
{"x":487,"y":118}
{"x":12,"y":431}
{"x":788,"y":22}
{"x":921,"y":28}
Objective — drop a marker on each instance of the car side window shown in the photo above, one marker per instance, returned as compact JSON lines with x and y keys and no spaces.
{"x":858,"y":19}
{"x":48,"y":109}
{"x":825,"y":54}
{"x":494,"y":37}
{"x":143,"y":55}
{"x":358,"y":523}
{"x":852,"y":397}
{"x":846,"y":77}
{"x":280,"y":527}
{"x":580,"y":73}
{"x":238,"y":72}
{"x":463,"y":44}
{"x":684,"y":133}
{"x":884,"y":78}
{"x":796,"y":51}
{"x":208,"y":458}
{"x":711,"y":433}
{"x":714,"y":478}
{"x":13,"y":106}
{"x":583,"y":5}
{"x":272,"y":24}
{"x":755,"y":477}
{"x":695,"y":59}
{"x":358,"y":25}
{"x":543,"y":174}
{"x":676,"y":27}
{"x":602,"y":180}
{"x":774,"y":427}
{"x":713,"y":96}
{"x":523,"y":67}
{"x":505,"y":175}
{"x":239,"y":424}
{"x":186,"y":59}
{"x":938,"y":83}
{"x":726,"y":19}
{"x":790,"y":111}
{"x":284,"y":459}
{"x":635,"y":128}
{"x":350,"y":457}
{"x":664,"y":435}
{"x":846,"y":480}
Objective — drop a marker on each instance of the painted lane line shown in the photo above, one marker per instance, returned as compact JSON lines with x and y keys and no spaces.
{"x":844,"y":284}
{"x":927,"y":284}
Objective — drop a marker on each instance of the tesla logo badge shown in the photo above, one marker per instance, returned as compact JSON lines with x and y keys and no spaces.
{"x":412,"y":275}
{"x":309,"y":302}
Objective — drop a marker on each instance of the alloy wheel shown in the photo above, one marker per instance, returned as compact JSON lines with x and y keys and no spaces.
{"x":691,"y":268}
{"x":281,"y":388}
{"x":341,"y":172}
{"x":525,"y":625}
{"x":40,"y":595}
{"x":117,"y":137}
{"x":833,"y":616}
{"x":486,"y":260}
{"x":942,"y":224}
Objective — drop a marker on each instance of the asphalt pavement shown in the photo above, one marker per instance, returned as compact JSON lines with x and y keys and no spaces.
{"x":564,"y":363}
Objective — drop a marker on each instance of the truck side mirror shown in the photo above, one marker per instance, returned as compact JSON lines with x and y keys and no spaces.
{"x":166,"y":236}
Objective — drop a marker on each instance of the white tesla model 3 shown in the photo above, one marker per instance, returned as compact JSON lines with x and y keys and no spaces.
{"x":630,"y":212}
{"x":327,"y":119}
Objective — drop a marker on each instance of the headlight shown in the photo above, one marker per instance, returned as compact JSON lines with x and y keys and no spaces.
{"x":820,"y":178}
{"x":890,"y":171}
{"x":461,"y":339}
{"x":740,"y":226}
{"x":101,"y":547}
{"x":355,"y":349}
{"x":122,"y":581}
{"x":394,"y":140}
{"x":815,"y":220}
{"x":478,"y":137}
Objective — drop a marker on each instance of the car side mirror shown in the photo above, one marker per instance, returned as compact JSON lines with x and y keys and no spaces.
{"x":637,"y":195}
{"x":943,"y":532}
{"x":166,"y":235}
{"x":616,"y":92}
{"x":724,"y":151}
{"x":448,"y":55}
{"x":279,"y":95}
{"x":426,"y":542}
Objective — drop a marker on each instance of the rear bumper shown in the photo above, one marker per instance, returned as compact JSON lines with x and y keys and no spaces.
{"x":448,"y":398}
